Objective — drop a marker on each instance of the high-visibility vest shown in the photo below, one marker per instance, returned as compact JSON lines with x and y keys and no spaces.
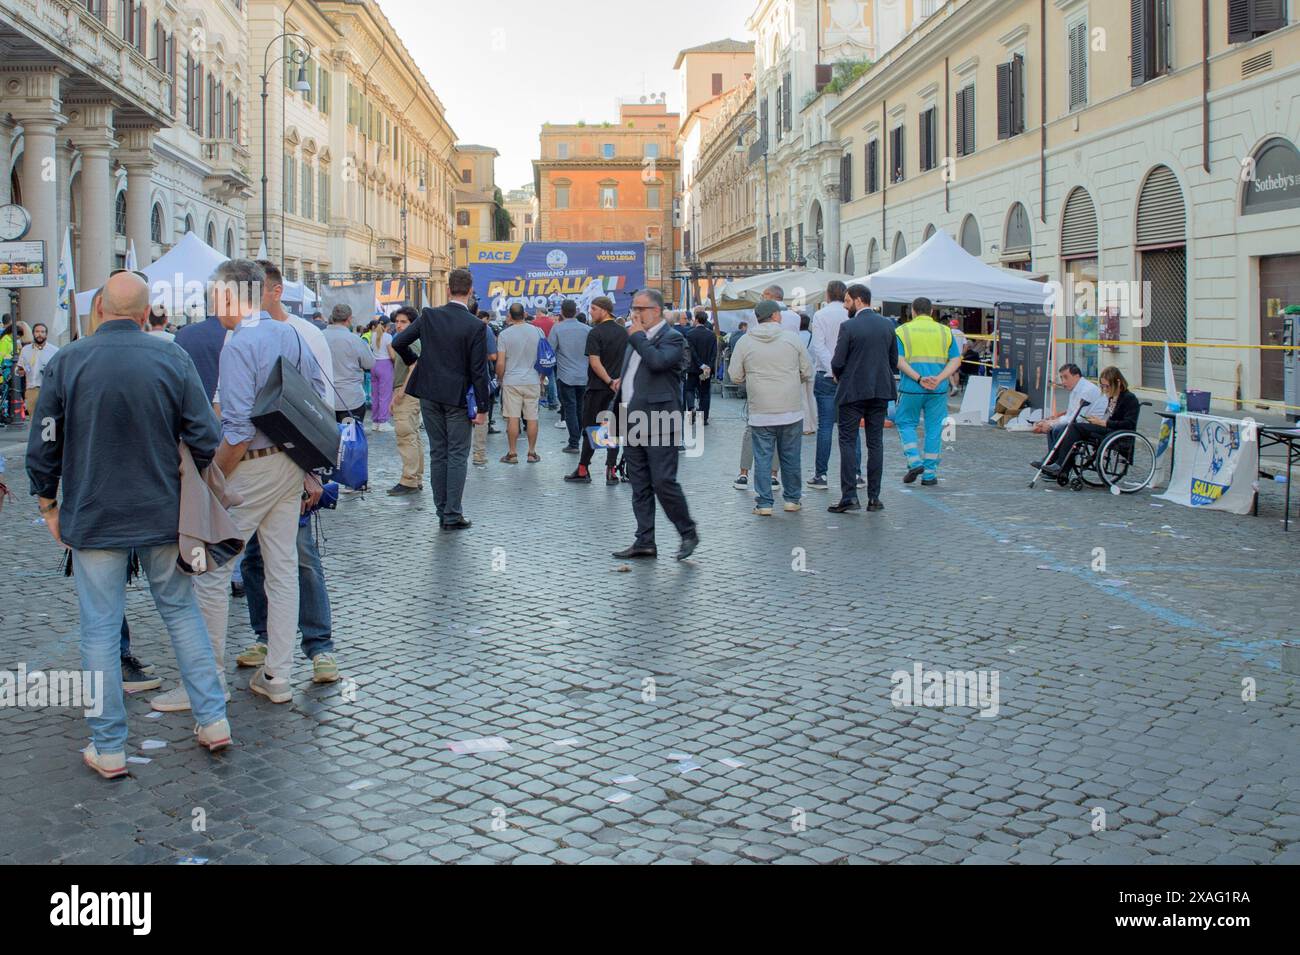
{"x":925,"y":341}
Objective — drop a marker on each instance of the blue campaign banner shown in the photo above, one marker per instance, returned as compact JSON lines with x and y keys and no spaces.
{"x":541,"y":275}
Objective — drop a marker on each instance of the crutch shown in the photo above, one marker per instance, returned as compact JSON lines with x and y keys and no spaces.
{"x":1051,"y":454}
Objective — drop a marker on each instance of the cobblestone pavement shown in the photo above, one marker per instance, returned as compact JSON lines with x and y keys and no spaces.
{"x":1120,"y":690}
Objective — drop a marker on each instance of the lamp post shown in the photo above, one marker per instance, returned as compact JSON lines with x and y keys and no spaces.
{"x":418,"y":162}
{"x":301,"y":85}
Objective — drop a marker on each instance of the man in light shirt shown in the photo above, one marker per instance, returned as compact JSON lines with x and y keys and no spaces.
{"x":1083,"y":393}
{"x":825,"y":330}
{"x":789,"y":317}
{"x":31,"y":364}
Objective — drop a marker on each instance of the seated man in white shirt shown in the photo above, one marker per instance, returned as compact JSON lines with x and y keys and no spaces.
{"x":1082,"y":393}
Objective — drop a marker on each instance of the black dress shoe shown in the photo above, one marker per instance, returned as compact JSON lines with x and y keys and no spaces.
{"x":913,"y":473}
{"x":569,"y":450}
{"x":875,"y":506}
{"x":236,"y":589}
{"x":494,"y":430}
{"x":844,"y":507}
{"x":460,"y":524}
{"x":689,"y":543}
{"x":611,"y":477}
{"x":579,"y":476}
{"x":402,"y":489}
{"x":1035,"y":464}
{"x":929,"y":482}
{"x":1052,"y":471}
{"x":636,"y":550}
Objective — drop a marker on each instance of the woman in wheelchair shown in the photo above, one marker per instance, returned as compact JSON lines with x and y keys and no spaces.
{"x":1121,"y":415}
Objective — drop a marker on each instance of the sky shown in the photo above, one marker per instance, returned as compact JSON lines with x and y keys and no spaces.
{"x":503,"y":67}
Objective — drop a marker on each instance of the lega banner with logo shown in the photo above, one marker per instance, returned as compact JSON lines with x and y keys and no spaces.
{"x":541,"y":275}
{"x":1216,"y":463}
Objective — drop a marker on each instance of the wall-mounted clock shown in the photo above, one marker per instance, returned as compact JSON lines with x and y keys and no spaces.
{"x":14,"y":222}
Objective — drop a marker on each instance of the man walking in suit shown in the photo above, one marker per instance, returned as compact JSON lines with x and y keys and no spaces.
{"x":650,"y":394}
{"x":451,"y":360}
{"x":704,"y":359}
{"x":866,"y":357}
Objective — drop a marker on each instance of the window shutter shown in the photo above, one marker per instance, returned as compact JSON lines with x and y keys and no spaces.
{"x":968,"y":119}
{"x":961,"y":125}
{"x":1078,"y":65}
{"x":1267,"y":15}
{"x":1017,"y":95}
{"x":171,"y":69}
{"x":1005,"y":107}
{"x":873,"y":166}
{"x":787,"y":91}
{"x":1143,"y":37}
{"x":846,"y":177}
{"x":762,"y":123}
{"x":1161,"y":214}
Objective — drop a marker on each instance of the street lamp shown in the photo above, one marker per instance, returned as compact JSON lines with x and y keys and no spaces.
{"x":420,"y":163}
{"x":299,"y":56}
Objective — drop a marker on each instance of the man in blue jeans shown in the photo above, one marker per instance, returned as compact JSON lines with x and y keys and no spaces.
{"x":773,"y":365}
{"x":314,"y":621}
{"x":120,"y":403}
{"x":825,"y":330}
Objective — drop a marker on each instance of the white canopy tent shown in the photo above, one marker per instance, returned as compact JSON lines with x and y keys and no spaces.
{"x":178,"y":279}
{"x":946,"y":274}
{"x":803,"y":288}
{"x":299,"y":292}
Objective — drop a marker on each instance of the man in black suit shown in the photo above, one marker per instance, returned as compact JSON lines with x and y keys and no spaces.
{"x":649,"y":395}
{"x":865,"y":362}
{"x":454,"y":351}
{"x":704,"y":354}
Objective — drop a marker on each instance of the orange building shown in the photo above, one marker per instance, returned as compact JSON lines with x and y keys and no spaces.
{"x":613,"y":182}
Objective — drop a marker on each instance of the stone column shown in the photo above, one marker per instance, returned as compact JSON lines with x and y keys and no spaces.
{"x":138,"y":158}
{"x":90,"y":128}
{"x":7,"y":297}
{"x":831,"y":229}
{"x":33,"y":99}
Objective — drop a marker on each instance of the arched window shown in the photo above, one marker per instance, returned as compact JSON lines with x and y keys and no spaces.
{"x":189,"y":224}
{"x":156,"y":225}
{"x":848,"y":260}
{"x":1079,"y":225}
{"x":212,"y":234}
{"x":230,"y":243}
{"x":970,"y":236}
{"x":873,"y":257}
{"x":119,"y":215}
{"x":929,"y":231}
{"x":1017,"y":240}
{"x":900,"y":247}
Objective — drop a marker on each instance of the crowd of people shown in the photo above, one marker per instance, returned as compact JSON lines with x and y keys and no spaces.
{"x":441,"y":372}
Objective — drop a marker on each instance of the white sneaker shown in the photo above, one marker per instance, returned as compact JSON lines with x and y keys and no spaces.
{"x":176,"y":700}
{"x":275,"y":690}
{"x":110,"y":765}
{"x":560,"y":424}
{"x":384,"y":427}
{"x":214,"y":736}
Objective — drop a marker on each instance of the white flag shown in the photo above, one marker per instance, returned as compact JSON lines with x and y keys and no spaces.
{"x":130,"y":262}
{"x":1171,"y":386}
{"x":67,"y":284}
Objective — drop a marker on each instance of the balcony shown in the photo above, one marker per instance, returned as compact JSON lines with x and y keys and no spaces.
{"x":228,"y":171}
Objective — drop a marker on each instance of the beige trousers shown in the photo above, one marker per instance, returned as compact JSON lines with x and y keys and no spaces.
{"x":271,"y":488}
{"x":406,"y":425}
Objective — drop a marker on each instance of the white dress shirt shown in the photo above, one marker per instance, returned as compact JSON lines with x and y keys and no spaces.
{"x":825,"y":330}
{"x":634,"y":363}
{"x":1084,"y":393}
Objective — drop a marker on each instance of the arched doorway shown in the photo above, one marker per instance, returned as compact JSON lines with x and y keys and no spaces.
{"x":848,"y":260}
{"x":873,"y":257}
{"x":900,"y":246}
{"x":1079,"y":244}
{"x":1162,"y":267}
{"x":1017,"y":240}
{"x":818,"y":250}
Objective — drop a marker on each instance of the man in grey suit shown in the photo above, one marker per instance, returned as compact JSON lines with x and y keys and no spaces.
{"x":864,"y":365}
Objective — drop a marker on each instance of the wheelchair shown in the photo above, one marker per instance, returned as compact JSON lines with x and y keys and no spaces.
{"x":1124,"y":461}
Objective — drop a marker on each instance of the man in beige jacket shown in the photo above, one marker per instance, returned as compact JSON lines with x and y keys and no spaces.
{"x":773,"y":365}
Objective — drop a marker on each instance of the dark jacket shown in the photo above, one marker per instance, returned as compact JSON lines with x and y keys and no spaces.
{"x":1124,"y":417}
{"x":452,"y":356}
{"x":116,"y":405}
{"x":658,"y":381}
{"x":704,"y":348}
{"x":866,"y":359}
{"x":203,"y":342}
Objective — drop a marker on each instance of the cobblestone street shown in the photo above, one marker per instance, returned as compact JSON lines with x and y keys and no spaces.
{"x":1120,"y":734}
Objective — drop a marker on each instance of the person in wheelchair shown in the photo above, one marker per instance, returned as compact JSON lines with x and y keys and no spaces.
{"x":1121,"y":415}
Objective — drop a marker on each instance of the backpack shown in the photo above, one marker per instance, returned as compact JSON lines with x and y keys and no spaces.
{"x":545,"y":363}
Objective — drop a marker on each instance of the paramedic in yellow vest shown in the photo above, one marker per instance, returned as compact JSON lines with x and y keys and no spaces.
{"x":927,"y":355}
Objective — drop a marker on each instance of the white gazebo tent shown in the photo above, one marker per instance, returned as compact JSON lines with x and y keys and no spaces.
{"x":946,"y":274}
{"x":803,"y":288}
{"x":178,"y":279}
